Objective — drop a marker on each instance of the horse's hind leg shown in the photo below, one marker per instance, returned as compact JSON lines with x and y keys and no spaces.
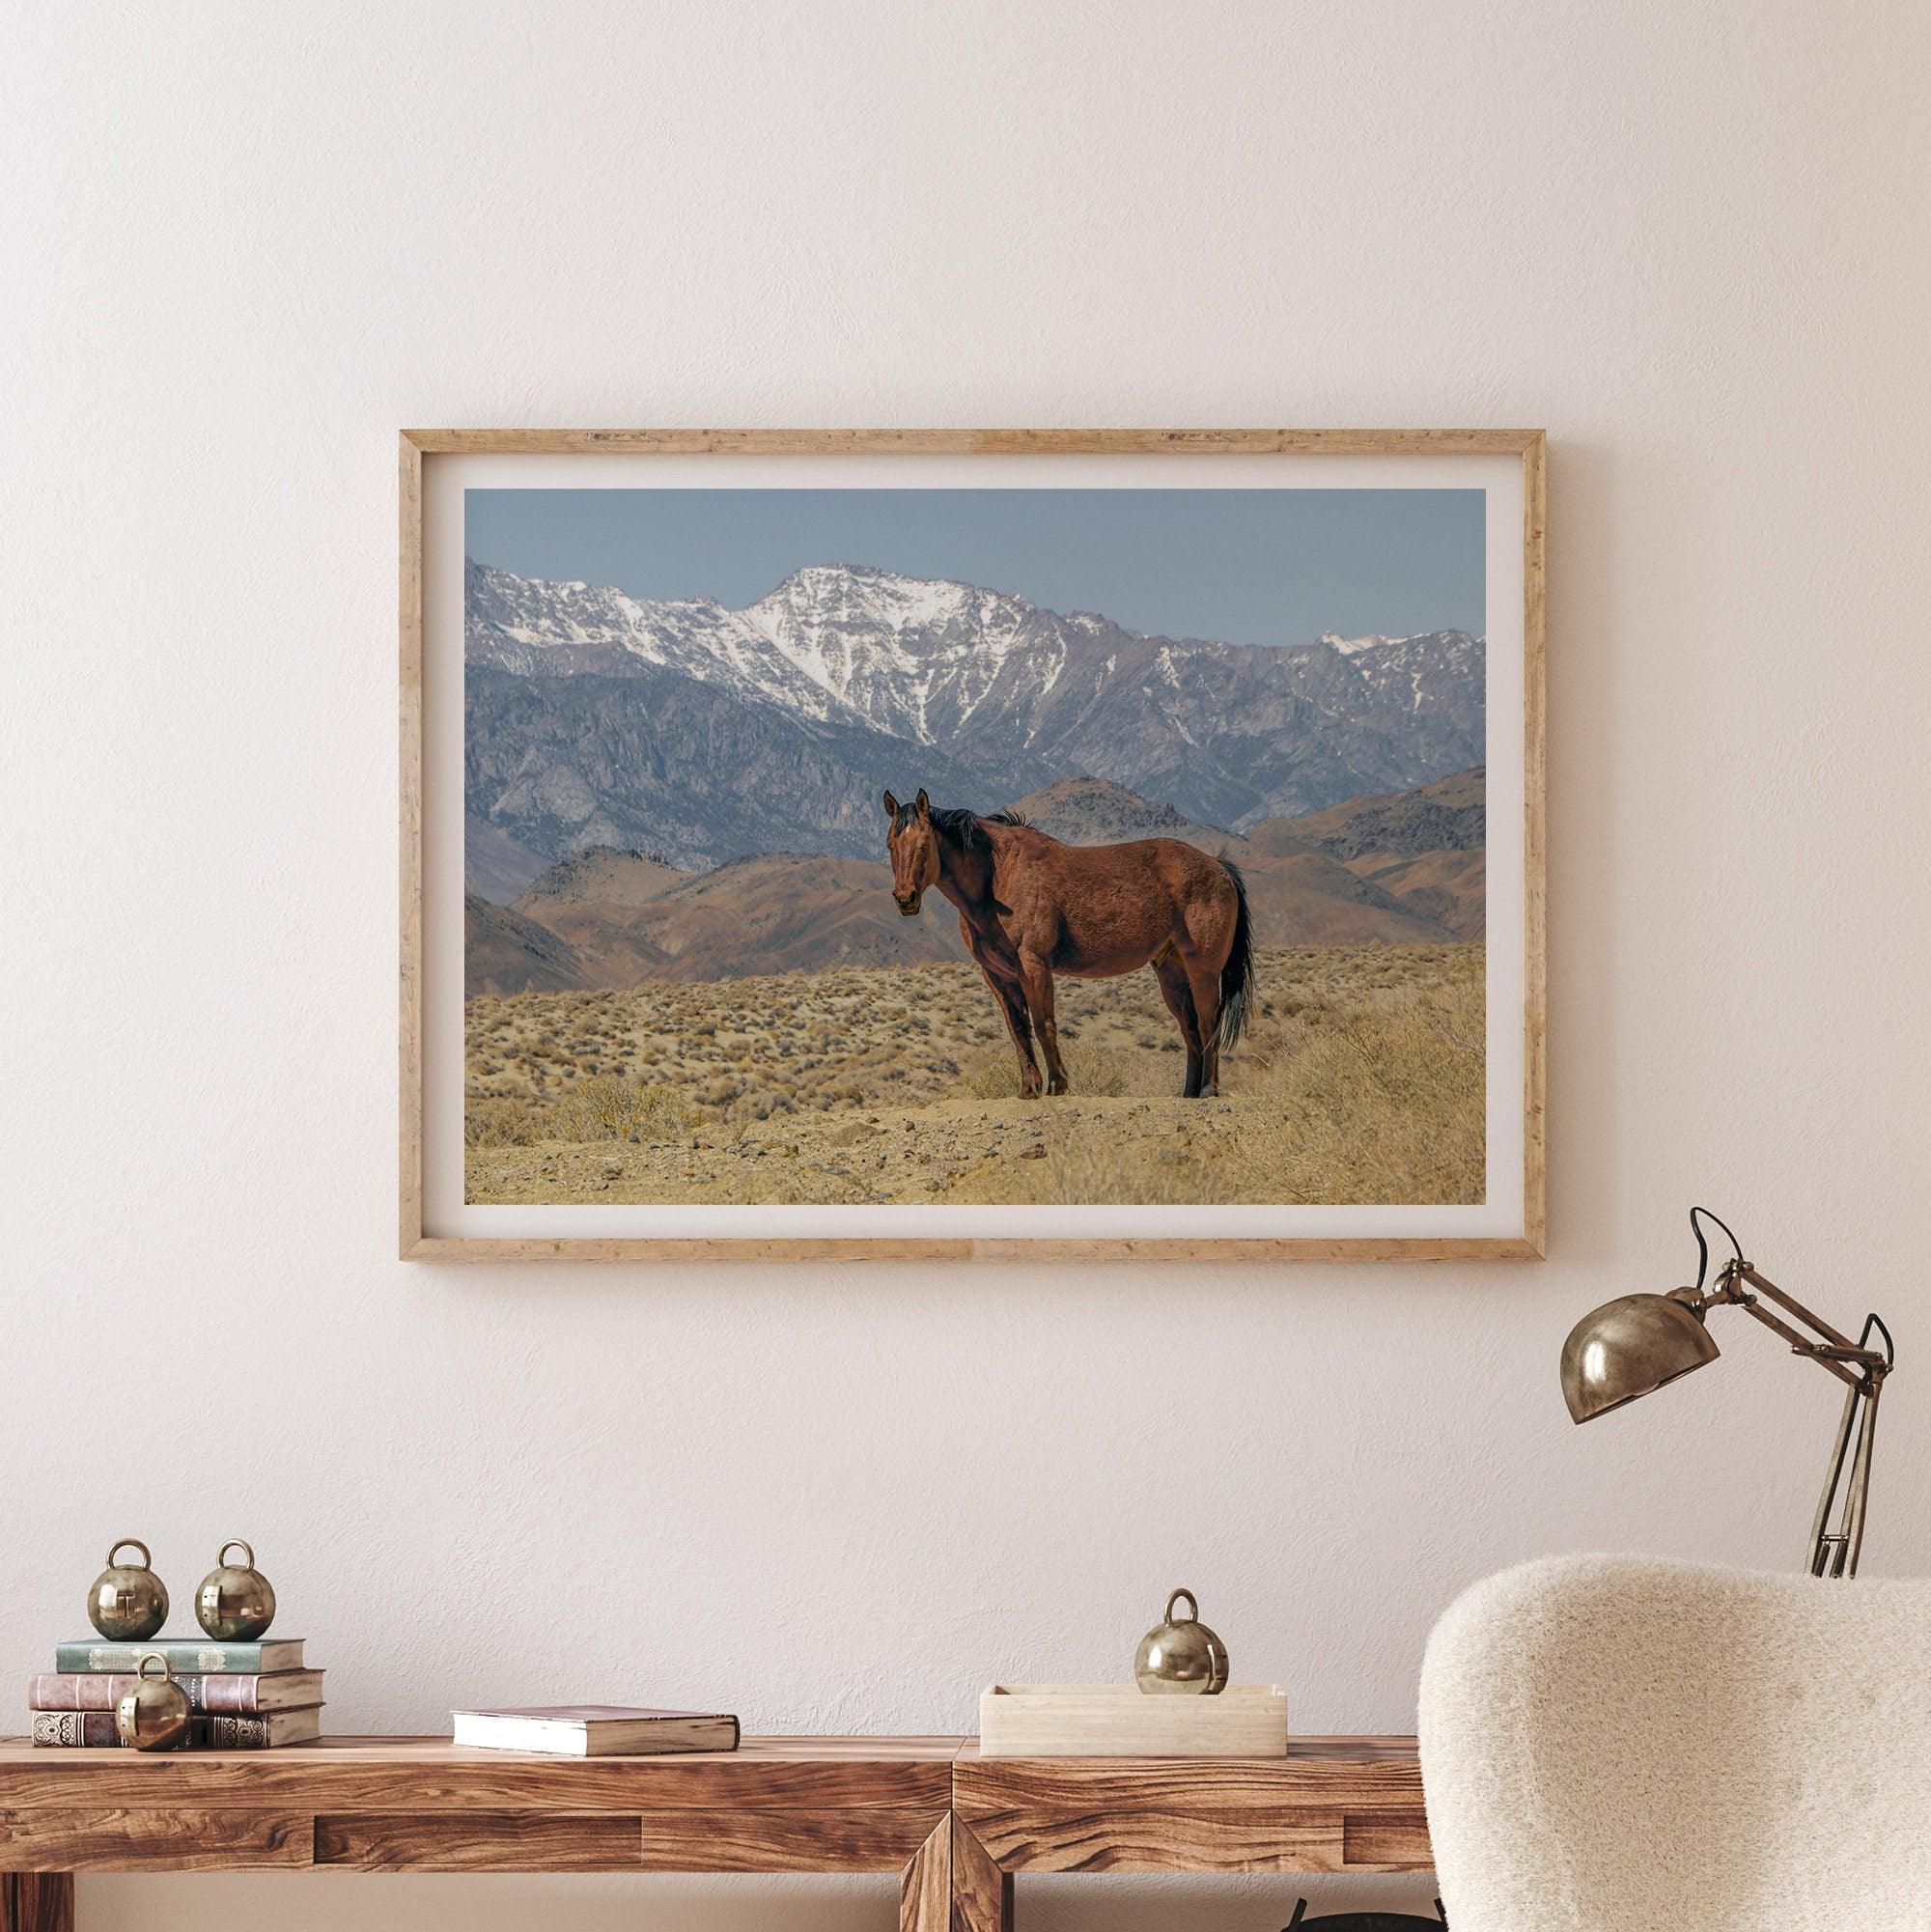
{"x":1036,"y":976}
{"x":1204,"y":983}
{"x":1179,"y":998}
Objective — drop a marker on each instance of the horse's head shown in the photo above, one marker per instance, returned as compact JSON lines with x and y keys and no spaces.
{"x":913,"y":841}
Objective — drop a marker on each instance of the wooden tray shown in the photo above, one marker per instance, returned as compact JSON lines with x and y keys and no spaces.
{"x":1121,"y":1721}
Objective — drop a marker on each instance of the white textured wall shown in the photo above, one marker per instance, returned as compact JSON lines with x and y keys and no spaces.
{"x":244,"y":243}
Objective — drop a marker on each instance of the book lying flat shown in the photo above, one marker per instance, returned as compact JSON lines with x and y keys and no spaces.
{"x":102,"y":1690}
{"x":596,"y":1730}
{"x":200,"y":1655}
{"x":94,"y":1731}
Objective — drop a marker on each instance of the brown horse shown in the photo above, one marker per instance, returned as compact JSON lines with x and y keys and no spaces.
{"x":1030,"y":907}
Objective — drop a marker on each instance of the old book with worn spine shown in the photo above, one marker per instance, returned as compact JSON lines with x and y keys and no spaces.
{"x":186,"y":1656}
{"x":100,"y":1691}
{"x":94,"y":1731}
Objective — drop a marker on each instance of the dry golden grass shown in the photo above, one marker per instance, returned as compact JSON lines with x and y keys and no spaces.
{"x":1360,"y":1081}
{"x":1389,"y":1094}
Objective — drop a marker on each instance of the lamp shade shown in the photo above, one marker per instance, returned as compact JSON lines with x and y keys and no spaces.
{"x":1627,"y":1348}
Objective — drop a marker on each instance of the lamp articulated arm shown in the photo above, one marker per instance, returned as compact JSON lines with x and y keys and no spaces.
{"x":1834,"y":1550}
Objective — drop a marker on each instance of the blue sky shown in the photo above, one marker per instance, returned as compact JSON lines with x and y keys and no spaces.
{"x":1245,"y":566}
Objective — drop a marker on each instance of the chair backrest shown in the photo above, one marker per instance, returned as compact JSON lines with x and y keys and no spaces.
{"x":1615,"y":1744}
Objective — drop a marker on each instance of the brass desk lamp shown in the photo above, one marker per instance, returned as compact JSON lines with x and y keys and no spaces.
{"x":1638,"y":1342}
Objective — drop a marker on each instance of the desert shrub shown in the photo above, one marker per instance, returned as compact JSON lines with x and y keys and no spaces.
{"x":1096,"y":1071}
{"x":607,"y":1107}
{"x":501,"y":1120}
{"x":991,"y":1076}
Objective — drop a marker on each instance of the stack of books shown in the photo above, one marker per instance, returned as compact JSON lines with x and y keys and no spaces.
{"x":244,"y":1696}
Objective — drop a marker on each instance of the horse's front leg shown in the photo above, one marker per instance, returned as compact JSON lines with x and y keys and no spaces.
{"x":1036,"y":977}
{"x":1018,"y":1024}
{"x":1005,"y":988}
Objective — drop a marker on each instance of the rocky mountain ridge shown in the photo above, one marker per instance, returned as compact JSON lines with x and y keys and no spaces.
{"x":704,"y":733}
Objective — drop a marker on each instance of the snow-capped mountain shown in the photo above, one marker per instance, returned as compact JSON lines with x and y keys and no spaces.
{"x":844,"y":671}
{"x":833,"y":642}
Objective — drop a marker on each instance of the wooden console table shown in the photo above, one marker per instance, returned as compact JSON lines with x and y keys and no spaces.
{"x":955,"y":1825}
{"x":1332,"y":1804}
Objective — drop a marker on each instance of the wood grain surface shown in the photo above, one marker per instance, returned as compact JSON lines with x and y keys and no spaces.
{"x":166,"y":1838}
{"x":409,"y":849}
{"x":972,"y":442}
{"x":872,"y":1838}
{"x":37,"y":1901}
{"x":1535,"y":843}
{"x":418,"y":1774}
{"x":1397,"y":1842}
{"x":1020,"y":1247}
{"x":925,"y":1889}
{"x":955,"y":1825}
{"x":480,"y":1841}
{"x":982,"y":1892}
{"x":1144,"y":1837}
{"x":1332,"y":1805}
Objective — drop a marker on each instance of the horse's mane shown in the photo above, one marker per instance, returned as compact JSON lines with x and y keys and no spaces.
{"x":959,"y":825}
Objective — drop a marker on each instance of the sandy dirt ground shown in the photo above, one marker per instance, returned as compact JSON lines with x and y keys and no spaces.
{"x":1360,"y":1079}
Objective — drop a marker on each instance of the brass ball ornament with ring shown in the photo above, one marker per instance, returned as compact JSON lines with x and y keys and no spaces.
{"x":128,"y":1601}
{"x":153,"y":1714}
{"x":1179,"y":1656}
{"x":236,"y":1604}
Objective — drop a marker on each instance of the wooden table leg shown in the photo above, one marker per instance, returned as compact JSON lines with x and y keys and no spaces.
{"x":982,"y":1894}
{"x":925,"y":1891}
{"x":953,"y":1886}
{"x":37,"y":1901}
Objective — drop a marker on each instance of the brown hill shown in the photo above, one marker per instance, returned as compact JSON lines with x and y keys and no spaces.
{"x":607,"y":919}
{"x":1451,"y":886}
{"x":1096,"y":811}
{"x":503,"y":952}
{"x":784,"y":913}
{"x":594,"y":900}
{"x":1425,"y":848}
{"x":605,"y":876}
{"x":1307,"y":899}
{"x":1450,"y":815}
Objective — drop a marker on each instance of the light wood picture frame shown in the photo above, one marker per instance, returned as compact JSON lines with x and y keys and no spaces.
{"x":445,"y":1214}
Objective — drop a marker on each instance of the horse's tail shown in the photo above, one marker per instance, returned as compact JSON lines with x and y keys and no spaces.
{"x":1237,"y":976}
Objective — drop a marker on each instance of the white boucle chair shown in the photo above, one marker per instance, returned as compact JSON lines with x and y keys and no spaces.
{"x":1610,"y":1744}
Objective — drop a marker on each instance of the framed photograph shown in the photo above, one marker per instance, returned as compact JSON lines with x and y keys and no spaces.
{"x":1099,"y":843}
